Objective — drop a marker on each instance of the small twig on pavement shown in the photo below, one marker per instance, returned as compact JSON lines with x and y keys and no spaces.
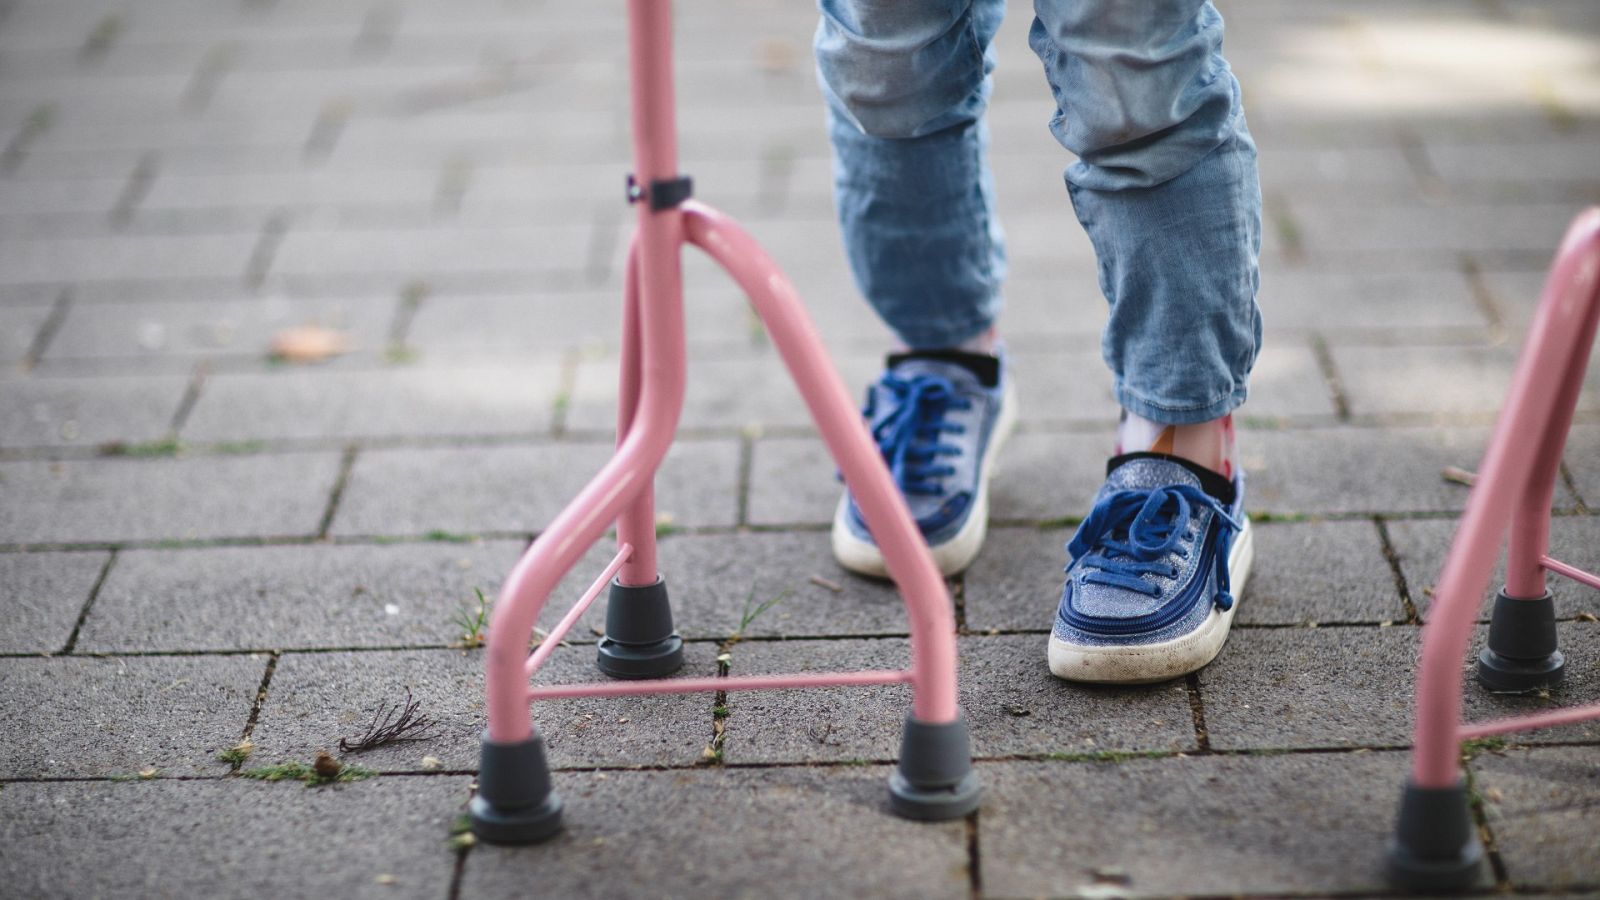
{"x":389,"y":724}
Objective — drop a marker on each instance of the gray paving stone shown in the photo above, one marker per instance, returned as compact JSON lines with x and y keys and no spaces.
{"x":43,"y":595}
{"x":1038,"y":475}
{"x":19,"y":326}
{"x":1583,"y":462}
{"x":118,"y":716}
{"x":323,"y":189}
{"x":1016,"y":581}
{"x":1287,"y":383}
{"x":816,"y":725}
{"x":379,"y":838}
{"x":1366,"y":302}
{"x":795,"y":832}
{"x":1349,"y":687}
{"x":1422,"y":546}
{"x":586,"y":320}
{"x":89,"y":411}
{"x":1339,"y":169}
{"x":752,"y":390}
{"x":1357,"y":470}
{"x":1302,"y":823}
{"x":1541,"y":805}
{"x":1430,"y":380}
{"x":229,"y":325}
{"x":1015,"y":706}
{"x":287,"y":597}
{"x":192,"y":498}
{"x":318,"y":698}
{"x":1063,"y":384}
{"x":1515,"y":296}
{"x":136,"y":257}
{"x":1319,"y":572}
{"x":91,"y":162}
{"x":495,"y":323}
{"x":1525,"y":161}
{"x":434,"y":250}
{"x":401,"y":401}
{"x":718,"y":581}
{"x":34,"y":196}
{"x":1395,"y":232}
{"x":1324,"y":687}
{"x":1011,"y":702}
{"x":470,"y":490}
{"x":1047,"y":312}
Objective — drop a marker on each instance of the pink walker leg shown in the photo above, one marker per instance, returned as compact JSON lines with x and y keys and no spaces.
{"x":640,"y":641}
{"x":1435,"y":846}
{"x":516,"y":801}
{"x":935,"y":778}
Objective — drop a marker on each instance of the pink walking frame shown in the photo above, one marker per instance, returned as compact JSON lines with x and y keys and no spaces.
{"x":1435,"y":845}
{"x":516,"y":801}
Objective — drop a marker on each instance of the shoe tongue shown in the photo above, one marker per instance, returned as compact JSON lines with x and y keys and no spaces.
{"x":958,"y":377}
{"x":1147,"y":471}
{"x":1144,"y":472}
{"x":957,"y":366}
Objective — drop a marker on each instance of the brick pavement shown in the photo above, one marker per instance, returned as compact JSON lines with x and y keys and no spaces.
{"x":199,"y":546}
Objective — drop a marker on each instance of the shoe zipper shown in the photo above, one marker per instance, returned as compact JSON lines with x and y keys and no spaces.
{"x":1168,"y":613}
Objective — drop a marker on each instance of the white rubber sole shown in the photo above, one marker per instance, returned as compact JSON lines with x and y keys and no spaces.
{"x":952,"y":556}
{"x":1164,"y":661}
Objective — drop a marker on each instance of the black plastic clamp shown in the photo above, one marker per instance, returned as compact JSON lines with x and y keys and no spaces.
{"x":663,"y":193}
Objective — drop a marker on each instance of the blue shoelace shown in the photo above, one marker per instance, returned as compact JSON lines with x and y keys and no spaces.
{"x":909,"y":437}
{"x":1152,"y":523}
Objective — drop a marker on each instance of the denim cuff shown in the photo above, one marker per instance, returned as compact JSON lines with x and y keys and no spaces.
{"x":1181,"y":415}
{"x":947,"y":332}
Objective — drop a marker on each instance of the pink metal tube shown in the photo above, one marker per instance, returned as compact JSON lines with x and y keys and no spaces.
{"x":906,"y":554}
{"x":1573,"y":572}
{"x":631,"y":470}
{"x":654,"y":111}
{"x":637,"y":524}
{"x":559,"y":633}
{"x":1568,"y":716}
{"x":1566,"y":307}
{"x":1530,"y":521}
{"x":735,"y":683}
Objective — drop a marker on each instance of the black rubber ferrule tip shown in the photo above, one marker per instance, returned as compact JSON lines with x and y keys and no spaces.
{"x":935,"y":781}
{"x":1521,"y":656}
{"x":515,"y":802}
{"x":639,"y":641}
{"x":1435,"y":846}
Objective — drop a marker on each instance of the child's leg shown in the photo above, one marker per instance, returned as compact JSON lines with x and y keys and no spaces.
{"x":1165,"y":184}
{"x":906,"y":84}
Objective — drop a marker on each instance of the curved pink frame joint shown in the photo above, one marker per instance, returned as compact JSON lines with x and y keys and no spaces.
{"x":651,"y":393}
{"x":1515,"y":485}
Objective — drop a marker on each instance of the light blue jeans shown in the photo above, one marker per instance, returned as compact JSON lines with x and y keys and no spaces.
{"x":1164,"y":181}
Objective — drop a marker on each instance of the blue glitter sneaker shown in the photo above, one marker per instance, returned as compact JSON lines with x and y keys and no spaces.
{"x":939,"y":418}
{"x":1155,"y":568}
